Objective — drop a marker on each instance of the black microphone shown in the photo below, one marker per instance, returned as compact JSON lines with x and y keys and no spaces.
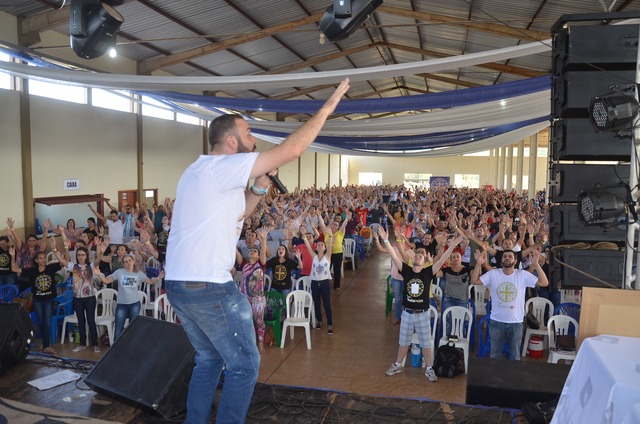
{"x":276,"y":182}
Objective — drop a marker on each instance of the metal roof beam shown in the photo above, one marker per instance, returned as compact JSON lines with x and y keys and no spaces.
{"x":317,"y":60}
{"x":150,"y":65}
{"x":503,"y":30}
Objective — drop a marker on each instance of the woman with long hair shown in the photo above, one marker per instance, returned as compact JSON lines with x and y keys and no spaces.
{"x":129,"y":279}
{"x":320,"y":276}
{"x":282,"y":266}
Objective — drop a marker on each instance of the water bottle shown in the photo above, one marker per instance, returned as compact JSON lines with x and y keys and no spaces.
{"x":416,"y":355}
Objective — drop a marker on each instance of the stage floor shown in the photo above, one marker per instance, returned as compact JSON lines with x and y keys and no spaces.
{"x":352,"y":360}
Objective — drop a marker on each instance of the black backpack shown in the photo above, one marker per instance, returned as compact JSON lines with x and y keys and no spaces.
{"x":449,"y":361}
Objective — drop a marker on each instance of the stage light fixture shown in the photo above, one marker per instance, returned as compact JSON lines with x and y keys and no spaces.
{"x":93,"y":26}
{"x":337,"y":28}
{"x":613,"y":112}
{"x":604,"y":205}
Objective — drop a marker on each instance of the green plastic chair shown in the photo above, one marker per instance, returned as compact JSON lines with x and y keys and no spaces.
{"x":275,"y":304}
{"x":389,"y":304}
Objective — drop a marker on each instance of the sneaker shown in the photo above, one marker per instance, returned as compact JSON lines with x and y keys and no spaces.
{"x":431,"y":374}
{"x":395,"y":369}
{"x":96,"y":349}
{"x":318,"y":325}
{"x":78,"y":348}
{"x":330,"y":331}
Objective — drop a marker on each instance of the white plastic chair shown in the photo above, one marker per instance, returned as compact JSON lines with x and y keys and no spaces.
{"x":162,"y":305}
{"x":561,"y":324}
{"x":106,"y":315}
{"x":267,"y":282}
{"x":478,"y":297}
{"x":436,"y":293}
{"x":306,"y":286}
{"x":153,"y":263}
{"x":461,"y":322}
{"x":51,"y":258}
{"x":433,"y":316}
{"x":538,"y":306}
{"x":349,"y":252}
{"x":296,"y":315}
{"x":374,"y":229}
{"x":71,"y":319}
{"x":153,"y":292}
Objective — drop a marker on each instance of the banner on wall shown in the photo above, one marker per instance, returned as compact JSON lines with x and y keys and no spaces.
{"x":435,"y":182}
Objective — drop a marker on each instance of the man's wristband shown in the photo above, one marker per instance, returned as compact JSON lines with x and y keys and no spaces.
{"x":386,"y":240}
{"x":258,"y":191}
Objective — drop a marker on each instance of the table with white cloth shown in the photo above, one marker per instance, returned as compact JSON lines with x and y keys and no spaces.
{"x":603,"y":385}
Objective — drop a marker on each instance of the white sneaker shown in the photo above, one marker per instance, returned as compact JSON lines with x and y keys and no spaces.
{"x":78,"y":348}
{"x":395,"y":369}
{"x":96,"y":349}
{"x":431,"y":374}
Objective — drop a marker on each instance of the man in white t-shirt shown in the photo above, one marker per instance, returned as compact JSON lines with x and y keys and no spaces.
{"x":208,"y":215}
{"x":508,"y":287}
{"x":115,"y":224}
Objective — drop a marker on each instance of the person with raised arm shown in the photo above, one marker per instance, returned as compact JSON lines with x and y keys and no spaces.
{"x":208,"y":215}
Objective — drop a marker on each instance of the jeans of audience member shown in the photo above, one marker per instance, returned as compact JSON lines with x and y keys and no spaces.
{"x":44,"y":311}
{"x":502,"y":332}
{"x":396,"y":288}
{"x":321,"y":290}
{"x":85,"y":308}
{"x":123,"y":312}
{"x":336,"y":263}
{"x":219,"y":323}
{"x":10,"y":278}
{"x":448,"y":302}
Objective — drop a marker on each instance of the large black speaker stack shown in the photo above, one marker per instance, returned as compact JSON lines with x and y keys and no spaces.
{"x":149,"y":365}
{"x":16,"y":333}
{"x":589,"y":58}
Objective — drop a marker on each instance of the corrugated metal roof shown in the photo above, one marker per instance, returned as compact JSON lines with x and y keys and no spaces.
{"x":400,"y":31}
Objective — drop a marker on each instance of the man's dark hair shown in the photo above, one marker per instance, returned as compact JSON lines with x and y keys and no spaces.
{"x":220,"y":127}
{"x":509,"y":251}
{"x":92,"y":219}
{"x":113,"y":211}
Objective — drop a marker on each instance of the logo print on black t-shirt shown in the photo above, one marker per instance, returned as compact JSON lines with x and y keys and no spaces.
{"x":415,"y":287}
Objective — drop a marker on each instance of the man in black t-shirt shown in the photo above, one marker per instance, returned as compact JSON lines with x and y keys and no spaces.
{"x":415,"y":301}
{"x":6,"y":275}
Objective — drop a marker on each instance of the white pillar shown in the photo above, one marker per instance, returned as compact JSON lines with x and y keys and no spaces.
{"x":509,"y":167}
{"x":519,"y":166}
{"x":495,"y":166}
{"x":500,"y":184}
{"x":533,"y":168}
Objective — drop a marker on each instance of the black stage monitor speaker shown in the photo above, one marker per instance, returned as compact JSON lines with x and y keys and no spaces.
{"x":16,"y":333}
{"x":499,"y":382}
{"x":567,"y":181}
{"x":607,"y":265}
{"x":149,"y":365}
{"x":567,"y":226}
{"x":337,"y":29}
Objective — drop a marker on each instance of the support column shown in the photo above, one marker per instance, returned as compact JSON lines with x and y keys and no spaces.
{"x":519,"y":166}
{"x":509,"y":167}
{"x":501,"y":166}
{"x":533,"y":168}
{"x":494,"y":167}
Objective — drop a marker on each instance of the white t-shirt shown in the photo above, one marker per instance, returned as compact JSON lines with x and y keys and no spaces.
{"x":207,"y":218}
{"x":508,"y":293}
{"x":116,"y":230}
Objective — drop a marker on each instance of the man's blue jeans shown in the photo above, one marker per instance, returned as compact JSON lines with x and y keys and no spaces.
{"x":502,"y":332}
{"x":44,"y":311}
{"x":396,"y":287}
{"x":219,"y":323}
{"x":123,"y":312}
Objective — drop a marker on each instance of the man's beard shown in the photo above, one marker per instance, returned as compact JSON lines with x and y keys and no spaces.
{"x":506,"y":264}
{"x":242,"y":148}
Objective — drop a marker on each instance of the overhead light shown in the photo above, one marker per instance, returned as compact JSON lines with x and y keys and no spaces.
{"x":93,"y":26}
{"x":614,"y":111}
{"x":340,"y":19}
{"x":113,"y":52}
{"x":604,"y":205}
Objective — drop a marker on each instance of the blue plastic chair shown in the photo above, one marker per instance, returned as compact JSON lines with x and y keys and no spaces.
{"x":484,"y":337}
{"x":359,"y":247}
{"x":568,"y":308}
{"x":63,"y":308}
{"x":8,"y":292}
{"x":472,"y":336}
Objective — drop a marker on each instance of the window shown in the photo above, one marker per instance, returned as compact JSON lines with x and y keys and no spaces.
{"x":156,"y":109}
{"x":483,"y":153}
{"x":188,"y":119}
{"x":370,"y":178}
{"x":115,"y":100}
{"x":5,"y":79}
{"x":52,"y":90}
{"x":467,"y":180}
{"x":416,"y":180}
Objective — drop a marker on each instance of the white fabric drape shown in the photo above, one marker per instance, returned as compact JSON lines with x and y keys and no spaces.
{"x":143,"y":82}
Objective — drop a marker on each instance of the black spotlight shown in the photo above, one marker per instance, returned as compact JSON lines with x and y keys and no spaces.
{"x":93,"y":26}
{"x":340,"y":19}
{"x":604,"y":205}
{"x":613,"y":112}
